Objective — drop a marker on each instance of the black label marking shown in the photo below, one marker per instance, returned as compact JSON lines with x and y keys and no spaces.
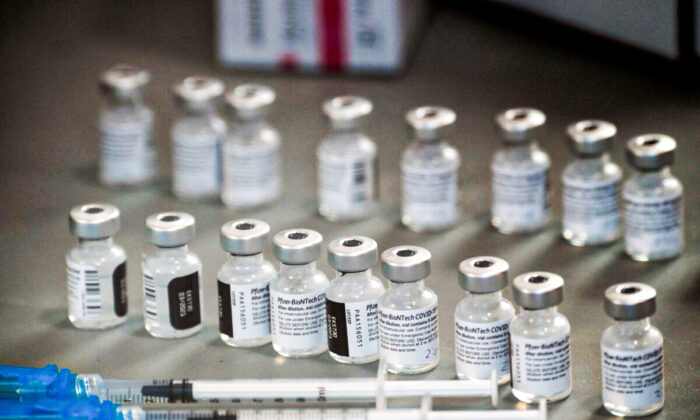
{"x":183,"y":301}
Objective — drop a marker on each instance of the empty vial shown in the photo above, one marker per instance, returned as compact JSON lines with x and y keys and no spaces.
{"x":251,"y":152}
{"x":520,"y":196}
{"x":351,"y":300}
{"x":482,"y":320}
{"x":539,"y":335}
{"x":632,"y":352}
{"x":172,"y":278}
{"x":346,"y":162}
{"x":298,"y":295}
{"x":197,"y":137}
{"x":96,"y":273}
{"x":127,"y":153}
{"x":408,"y":312}
{"x":591,"y":185}
{"x":244,"y":284}
{"x":430,"y":172}
{"x":653,"y":200}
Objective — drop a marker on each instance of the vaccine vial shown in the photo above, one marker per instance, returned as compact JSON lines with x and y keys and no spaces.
{"x":408,"y":313}
{"x":482,"y":320}
{"x":244,"y":284}
{"x":96,"y":269}
{"x":591,"y":213}
{"x":197,"y":137}
{"x":520,"y":196}
{"x":430,"y":172}
{"x":298,"y":295}
{"x":172,"y":285}
{"x":539,"y":337}
{"x":251,"y":152}
{"x":346,"y":162}
{"x":632,"y":352}
{"x":653,"y":200}
{"x":351,"y":300}
{"x":127,"y":153}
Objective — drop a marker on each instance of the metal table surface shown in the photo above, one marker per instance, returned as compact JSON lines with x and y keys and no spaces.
{"x":53,"y":53}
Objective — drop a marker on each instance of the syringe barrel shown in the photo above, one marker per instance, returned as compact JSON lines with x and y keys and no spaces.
{"x":416,"y":414}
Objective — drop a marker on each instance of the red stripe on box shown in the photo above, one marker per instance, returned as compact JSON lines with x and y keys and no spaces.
{"x":332,"y":46}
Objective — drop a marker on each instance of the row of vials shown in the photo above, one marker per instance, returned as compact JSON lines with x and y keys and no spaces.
{"x":240,"y":162}
{"x":354,"y":317}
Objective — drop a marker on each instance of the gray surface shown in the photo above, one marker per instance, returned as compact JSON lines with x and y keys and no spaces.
{"x":52,"y":57}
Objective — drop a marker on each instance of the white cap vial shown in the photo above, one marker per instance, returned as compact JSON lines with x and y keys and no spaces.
{"x":519,"y":125}
{"x":297,"y":246}
{"x":245,"y":236}
{"x":483,"y":274}
{"x":406,"y":263}
{"x":630,"y":301}
{"x":352,"y":254}
{"x":198,"y":92}
{"x":591,"y":138}
{"x":346,"y":112}
{"x":124,"y":80}
{"x":651,"y":152}
{"x":94,"y":221}
{"x":170,"y":229}
{"x":250,"y":101}
{"x":430,"y":123}
{"x":538,"y":290}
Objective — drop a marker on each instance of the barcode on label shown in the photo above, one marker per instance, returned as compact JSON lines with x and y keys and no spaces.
{"x":93,"y":302}
{"x":150,"y":304}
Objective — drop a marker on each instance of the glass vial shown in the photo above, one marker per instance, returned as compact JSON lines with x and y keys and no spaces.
{"x":591,"y":185}
{"x":351,"y":300}
{"x":653,"y":200}
{"x":346,"y":162}
{"x":430,"y":172}
{"x":408,"y":312}
{"x":172,"y":278}
{"x":251,"y":153}
{"x":96,"y":269}
{"x":127,"y":152}
{"x":482,"y":320}
{"x":632,"y":352}
{"x":244,"y":284}
{"x":298,"y":295}
{"x":539,"y":335}
{"x":197,"y":137}
{"x":520,"y":196}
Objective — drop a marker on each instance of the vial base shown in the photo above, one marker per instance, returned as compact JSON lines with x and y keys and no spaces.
{"x":658,"y":256}
{"x":334,"y":216}
{"x":581,"y":239}
{"x":622,"y":411}
{"x":206,"y":198}
{"x":354,"y":360}
{"x":250,"y":342}
{"x":248,"y":206}
{"x":126,"y":185}
{"x":535,"y":398}
{"x":418,"y":227}
{"x":157,"y":331}
{"x":96,"y":324}
{"x":412,"y":369}
{"x":511,"y":229}
{"x":299,"y":353}
{"x":500,"y":381}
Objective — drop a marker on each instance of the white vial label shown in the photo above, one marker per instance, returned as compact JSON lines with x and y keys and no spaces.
{"x":345,"y":183}
{"x":430,"y":194}
{"x":481,"y":348}
{"x":633,"y":379}
{"x":126,"y":150}
{"x":93,"y":292}
{"x":654,"y":224}
{"x":244,"y":310}
{"x":408,"y":337}
{"x":298,"y":321}
{"x":520,"y":196}
{"x":196,"y":164}
{"x":251,"y":174}
{"x":591,"y":206}
{"x":353,"y":328}
{"x":175,"y":305}
{"x":541,"y":366}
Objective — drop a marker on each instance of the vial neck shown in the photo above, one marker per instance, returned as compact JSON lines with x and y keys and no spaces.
{"x":169,"y":251}
{"x":654,"y":175}
{"x":356,"y":276}
{"x":594,"y":160}
{"x":125,"y":100}
{"x":95,"y":244}
{"x":534,"y":313}
{"x":249,"y":260}
{"x":632,"y":328}
{"x":204,"y":112}
{"x":297,"y":270}
{"x":399,"y":286}
{"x":485,"y":300}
